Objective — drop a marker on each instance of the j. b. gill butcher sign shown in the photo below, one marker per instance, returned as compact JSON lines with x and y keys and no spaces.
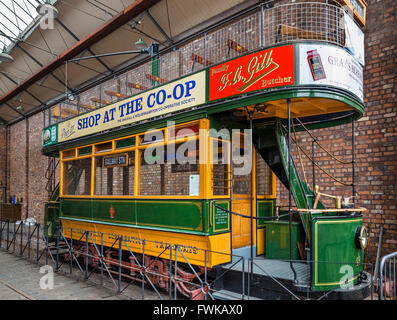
{"x":260,"y":70}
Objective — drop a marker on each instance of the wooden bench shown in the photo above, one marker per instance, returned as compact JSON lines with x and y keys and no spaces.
{"x":299,"y":33}
{"x":66,"y":112}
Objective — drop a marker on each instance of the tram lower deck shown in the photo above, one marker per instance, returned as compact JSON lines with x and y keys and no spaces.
{"x":199,"y":187}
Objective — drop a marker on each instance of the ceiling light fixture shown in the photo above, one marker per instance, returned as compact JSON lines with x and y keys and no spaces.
{"x":5,"y":57}
{"x":140,"y":44}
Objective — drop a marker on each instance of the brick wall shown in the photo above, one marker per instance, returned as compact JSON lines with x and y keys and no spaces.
{"x":28,"y":181}
{"x":375,"y":137}
{"x":3,"y":161}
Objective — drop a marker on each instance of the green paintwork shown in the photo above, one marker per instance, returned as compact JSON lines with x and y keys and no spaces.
{"x":122,"y":132}
{"x":265,"y":208}
{"x":55,"y":194}
{"x":212,"y":107}
{"x":84,"y":151}
{"x":50,"y":136}
{"x":335,"y":242}
{"x":221,"y":218}
{"x":51,"y":219}
{"x":174,"y":214}
{"x":125,"y":143}
{"x":270,"y":141}
{"x":277,"y":240}
{"x":220,"y":106}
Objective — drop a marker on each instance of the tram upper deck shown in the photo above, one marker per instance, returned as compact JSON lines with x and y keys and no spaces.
{"x":310,"y":53}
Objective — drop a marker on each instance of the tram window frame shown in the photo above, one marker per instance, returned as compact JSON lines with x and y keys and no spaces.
{"x":133,"y":138}
{"x":211,"y":166}
{"x":164,"y":145}
{"x":141,"y":136}
{"x":237,"y":190}
{"x":272,"y":180}
{"x":110,"y":170}
{"x":66,"y":162}
{"x":65,"y":154}
{"x":203,"y":168}
{"x":175,"y":129}
{"x":81,"y":149}
{"x":98,"y":145}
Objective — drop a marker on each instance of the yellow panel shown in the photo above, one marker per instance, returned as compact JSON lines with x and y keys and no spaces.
{"x":193,"y":247}
{"x":260,"y":245}
{"x":241,"y":227}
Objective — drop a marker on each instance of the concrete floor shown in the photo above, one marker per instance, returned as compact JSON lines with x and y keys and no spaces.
{"x":20,"y":280}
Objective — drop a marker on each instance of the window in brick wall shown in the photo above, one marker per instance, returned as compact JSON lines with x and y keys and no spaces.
{"x":114,"y":174}
{"x":168,"y":170}
{"x":77,"y":177}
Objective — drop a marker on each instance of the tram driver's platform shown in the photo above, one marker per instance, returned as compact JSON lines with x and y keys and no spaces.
{"x":274,"y":280}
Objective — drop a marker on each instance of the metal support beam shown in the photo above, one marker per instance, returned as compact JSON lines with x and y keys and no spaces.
{"x":107,"y":28}
{"x":27,"y":91}
{"x":77,"y":39}
{"x":15,"y":110}
{"x":159,"y":27}
{"x":41,"y":65}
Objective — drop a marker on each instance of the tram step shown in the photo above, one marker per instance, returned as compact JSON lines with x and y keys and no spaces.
{"x":230,"y":295}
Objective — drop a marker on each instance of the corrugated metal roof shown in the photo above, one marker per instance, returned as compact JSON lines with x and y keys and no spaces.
{"x":76,"y":20}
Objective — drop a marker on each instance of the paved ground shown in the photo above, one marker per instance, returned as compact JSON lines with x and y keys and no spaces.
{"x":20,"y":280}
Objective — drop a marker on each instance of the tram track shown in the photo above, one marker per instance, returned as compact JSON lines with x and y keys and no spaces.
{"x":20,"y":292}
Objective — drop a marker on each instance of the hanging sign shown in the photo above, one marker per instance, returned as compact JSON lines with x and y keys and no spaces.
{"x":175,"y":96}
{"x":330,"y":66}
{"x":260,"y":70}
{"x":50,"y":135}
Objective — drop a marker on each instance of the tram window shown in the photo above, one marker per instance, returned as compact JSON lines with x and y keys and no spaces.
{"x":85,"y":150}
{"x":103,"y":147}
{"x":179,"y":132}
{"x":114,"y":174}
{"x":241,"y":169}
{"x":151,"y":137}
{"x":125,"y":143}
{"x":171,"y":175}
{"x":69,"y":154}
{"x":220,"y":172}
{"x":241,"y":183}
{"x":263,"y":177}
{"x":77,"y":177}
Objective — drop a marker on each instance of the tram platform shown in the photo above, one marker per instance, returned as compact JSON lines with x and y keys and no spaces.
{"x":275,"y":280}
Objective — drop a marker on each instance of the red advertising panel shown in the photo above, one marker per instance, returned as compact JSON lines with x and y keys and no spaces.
{"x":260,"y":70}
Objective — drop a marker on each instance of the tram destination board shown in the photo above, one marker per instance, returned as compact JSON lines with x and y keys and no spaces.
{"x":119,"y":160}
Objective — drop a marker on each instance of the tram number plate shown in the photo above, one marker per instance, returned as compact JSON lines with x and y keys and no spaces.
{"x":115,"y":161}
